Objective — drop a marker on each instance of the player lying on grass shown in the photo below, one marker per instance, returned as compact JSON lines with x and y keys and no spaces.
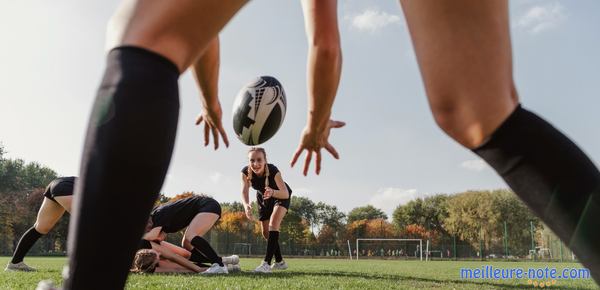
{"x":164,"y":257}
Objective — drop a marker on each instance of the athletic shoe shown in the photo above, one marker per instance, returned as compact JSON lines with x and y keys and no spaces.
{"x":279,"y":266}
{"x":234,"y":268}
{"x":46,"y":285}
{"x":263,"y":268}
{"x":233,"y":259}
{"x":216,"y":269}
{"x":21,"y":266}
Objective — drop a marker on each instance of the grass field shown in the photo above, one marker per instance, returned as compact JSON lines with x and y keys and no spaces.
{"x":314,"y":274}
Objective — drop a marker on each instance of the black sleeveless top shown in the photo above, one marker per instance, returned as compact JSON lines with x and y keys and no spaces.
{"x":258,"y":182}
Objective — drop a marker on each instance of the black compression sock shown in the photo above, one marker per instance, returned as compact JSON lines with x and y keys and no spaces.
{"x":272,"y":244}
{"x":25,"y":243}
{"x":127,"y":151}
{"x":199,"y":259}
{"x":201,"y":245}
{"x":553,"y":177}
{"x":277,"y":253}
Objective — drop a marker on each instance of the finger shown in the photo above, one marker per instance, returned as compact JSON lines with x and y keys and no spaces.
{"x":307,"y":162}
{"x":199,"y":119}
{"x":224,"y":135}
{"x":337,"y":124}
{"x":215,"y":133}
{"x":318,"y":169}
{"x":206,"y":132}
{"x":296,"y":155}
{"x":332,"y":150}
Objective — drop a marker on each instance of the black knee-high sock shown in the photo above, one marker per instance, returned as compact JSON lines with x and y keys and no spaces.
{"x":553,"y":177}
{"x":127,"y":151}
{"x":199,"y":259}
{"x":202,"y":246}
{"x":25,"y":243}
{"x":272,"y":244}
{"x":277,"y":252}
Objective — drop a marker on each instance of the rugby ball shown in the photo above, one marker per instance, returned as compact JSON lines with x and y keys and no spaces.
{"x":259,"y":110}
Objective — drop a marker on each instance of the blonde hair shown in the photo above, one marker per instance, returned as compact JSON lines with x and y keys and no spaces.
{"x":145,"y":261}
{"x":250,"y":173}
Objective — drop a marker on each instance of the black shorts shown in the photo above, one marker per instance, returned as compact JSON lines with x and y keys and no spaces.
{"x":265,"y":207}
{"x":62,"y":186}
{"x":175,"y":216}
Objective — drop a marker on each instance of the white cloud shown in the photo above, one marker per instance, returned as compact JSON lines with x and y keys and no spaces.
{"x":475,"y":165}
{"x":215,"y":177}
{"x":387,"y":199}
{"x":372,"y":20}
{"x":542,"y":17}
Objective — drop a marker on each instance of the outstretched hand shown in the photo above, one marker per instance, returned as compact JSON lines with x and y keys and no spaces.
{"x":312,"y":142}
{"x":212,"y":123}
{"x":248,"y":210}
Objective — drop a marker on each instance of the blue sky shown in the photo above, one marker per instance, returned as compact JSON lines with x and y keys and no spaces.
{"x":52,"y":58}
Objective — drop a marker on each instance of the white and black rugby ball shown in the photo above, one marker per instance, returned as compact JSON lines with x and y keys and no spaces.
{"x":259,"y":110}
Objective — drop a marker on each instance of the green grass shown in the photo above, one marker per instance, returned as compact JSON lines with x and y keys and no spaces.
{"x":312,"y":274}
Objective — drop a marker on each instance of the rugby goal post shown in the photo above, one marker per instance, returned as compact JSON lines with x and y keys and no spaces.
{"x":420,"y":247}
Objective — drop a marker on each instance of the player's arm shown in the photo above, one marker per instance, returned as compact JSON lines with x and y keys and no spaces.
{"x":171,"y":256}
{"x":282,"y":192}
{"x":246,"y":196}
{"x":176,"y":249}
{"x":324,"y":67}
{"x":206,"y":74}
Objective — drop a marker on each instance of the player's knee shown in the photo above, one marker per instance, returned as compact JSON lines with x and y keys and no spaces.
{"x":265,"y":233}
{"x":42,"y":228}
{"x":273,"y":227}
{"x":464,"y":128}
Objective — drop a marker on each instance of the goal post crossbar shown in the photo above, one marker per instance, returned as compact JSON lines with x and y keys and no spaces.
{"x":402,"y":240}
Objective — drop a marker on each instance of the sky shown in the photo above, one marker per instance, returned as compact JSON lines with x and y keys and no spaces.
{"x":52,"y":58}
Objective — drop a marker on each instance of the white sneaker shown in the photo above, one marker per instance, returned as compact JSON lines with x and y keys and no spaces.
{"x":279,"y":266}
{"x":234,"y":268}
{"x":216,"y":269}
{"x":46,"y":285}
{"x":263,"y":268}
{"x":233,"y":259}
{"x":21,"y":266}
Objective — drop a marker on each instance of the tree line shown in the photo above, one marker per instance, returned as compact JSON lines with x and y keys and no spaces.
{"x":480,"y":219}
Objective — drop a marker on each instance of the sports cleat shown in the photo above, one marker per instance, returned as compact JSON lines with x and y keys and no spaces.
{"x":264,"y":267}
{"x":233,"y":259}
{"x":234,"y":268}
{"x":21,"y":266}
{"x":216,"y":269}
{"x":279,"y":266}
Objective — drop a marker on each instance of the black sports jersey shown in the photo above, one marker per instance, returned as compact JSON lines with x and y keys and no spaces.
{"x":258,"y":182}
{"x":177,"y":215}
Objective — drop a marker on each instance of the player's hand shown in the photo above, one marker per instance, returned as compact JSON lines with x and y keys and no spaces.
{"x":312,"y":141}
{"x":154,"y":234}
{"x":248,"y":210}
{"x":268,"y":193}
{"x":213,"y":124}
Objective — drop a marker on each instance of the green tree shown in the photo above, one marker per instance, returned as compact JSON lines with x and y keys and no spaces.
{"x":368,"y":212}
{"x":429,"y":213}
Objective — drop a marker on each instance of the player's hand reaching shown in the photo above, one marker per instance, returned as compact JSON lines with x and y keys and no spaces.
{"x":155,"y":234}
{"x":268,"y":193}
{"x":312,"y":141}
{"x":212,"y":123}
{"x":248,"y":210}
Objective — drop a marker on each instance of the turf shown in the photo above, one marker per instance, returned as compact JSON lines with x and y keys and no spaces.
{"x":313,"y":274}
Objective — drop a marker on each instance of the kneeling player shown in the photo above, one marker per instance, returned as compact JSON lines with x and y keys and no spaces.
{"x":197,"y":214}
